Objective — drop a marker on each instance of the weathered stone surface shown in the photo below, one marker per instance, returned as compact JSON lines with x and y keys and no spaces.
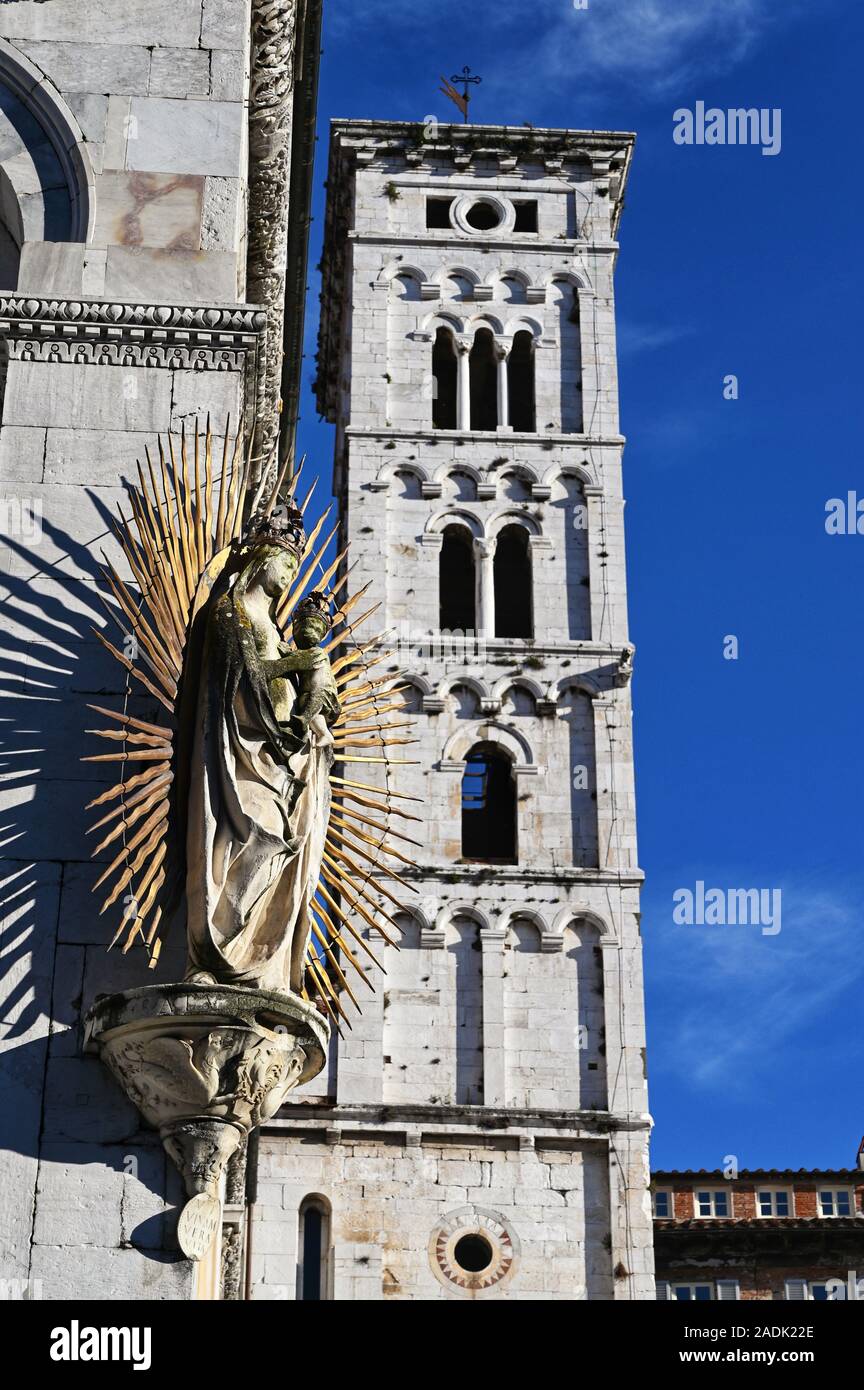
{"x":176,"y":72}
{"x":90,"y":66}
{"x":187,"y":277}
{"x":22,"y":455}
{"x":28,"y":921}
{"x":187,"y":137}
{"x":52,"y":267}
{"x":89,"y":397}
{"x":162,"y":22}
{"x":220,"y":222}
{"x":91,"y":112}
{"x":223,"y":25}
{"x":227,"y":74}
{"x":110,"y":1275}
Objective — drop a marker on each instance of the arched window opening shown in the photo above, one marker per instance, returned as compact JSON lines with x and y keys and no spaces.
{"x":488,"y":807}
{"x":408,"y":286}
{"x":408,"y":484}
{"x":513,"y":606}
{"x":484,"y":381}
{"x":459,"y":486}
{"x":513,"y":290}
{"x":518,"y":701}
{"x":313,"y":1248}
{"x":463,"y":702}
{"x":566,"y":299}
{"x":457,"y":582}
{"x":520,"y":374}
{"x":444,"y":373}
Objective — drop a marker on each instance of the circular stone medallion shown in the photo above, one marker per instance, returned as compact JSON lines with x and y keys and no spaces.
{"x":198,"y":1224}
{"x":473,"y":1252}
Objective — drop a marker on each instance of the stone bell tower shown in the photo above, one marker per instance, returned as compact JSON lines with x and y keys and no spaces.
{"x":483,"y":1129}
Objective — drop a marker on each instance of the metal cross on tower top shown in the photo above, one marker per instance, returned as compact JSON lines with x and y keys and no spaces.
{"x":462,"y":99}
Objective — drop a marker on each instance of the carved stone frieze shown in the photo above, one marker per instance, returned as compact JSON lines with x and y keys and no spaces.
{"x":103,"y":333}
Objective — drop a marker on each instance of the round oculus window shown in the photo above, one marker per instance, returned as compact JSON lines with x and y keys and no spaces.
{"x":473,"y":1252}
{"x":483,"y":216}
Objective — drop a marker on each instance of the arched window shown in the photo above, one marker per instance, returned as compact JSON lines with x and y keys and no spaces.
{"x":444,"y":372}
{"x":488,"y":806}
{"x":457,"y":583}
{"x":484,"y":381}
{"x":513,"y":606}
{"x":520,"y":382}
{"x":313,"y":1250}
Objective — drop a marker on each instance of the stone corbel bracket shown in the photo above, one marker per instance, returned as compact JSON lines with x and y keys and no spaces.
{"x":125,"y":334}
{"x":204,"y":1065}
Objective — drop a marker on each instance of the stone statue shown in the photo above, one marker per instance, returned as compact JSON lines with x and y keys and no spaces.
{"x":260,"y":759}
{"x":227,"y":827}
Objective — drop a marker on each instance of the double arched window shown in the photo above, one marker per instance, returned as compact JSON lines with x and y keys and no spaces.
{"x":495,"y":596}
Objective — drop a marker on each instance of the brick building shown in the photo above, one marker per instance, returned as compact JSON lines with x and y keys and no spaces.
{"x":766,"y":1233}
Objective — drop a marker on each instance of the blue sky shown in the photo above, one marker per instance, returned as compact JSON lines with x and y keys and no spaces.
{"x":749,"y":772}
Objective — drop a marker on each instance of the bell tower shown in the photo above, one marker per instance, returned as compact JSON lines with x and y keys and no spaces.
{"x":483,"y":1131}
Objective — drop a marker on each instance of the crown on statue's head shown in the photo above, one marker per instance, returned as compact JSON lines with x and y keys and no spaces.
{"x":283,"y":526}
{"x":315,"y":605}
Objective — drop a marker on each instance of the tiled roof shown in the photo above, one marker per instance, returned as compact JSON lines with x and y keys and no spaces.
{"x":666,"y":1175}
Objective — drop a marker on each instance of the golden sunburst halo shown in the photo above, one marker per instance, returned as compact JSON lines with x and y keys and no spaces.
{"x":186,"y":517}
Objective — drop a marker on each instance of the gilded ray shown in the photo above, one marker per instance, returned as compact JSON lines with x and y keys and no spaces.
{"x":184,"y":520}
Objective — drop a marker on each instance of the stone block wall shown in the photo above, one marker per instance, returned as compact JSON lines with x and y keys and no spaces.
{"x":543,"y":1197}
{"x":123,"y":169}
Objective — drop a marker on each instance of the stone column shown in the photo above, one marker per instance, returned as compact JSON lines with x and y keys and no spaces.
{"x":484,"y":566}
{"x":494,"y":1061}
{"x":502,"y":353}
{"x":463,"y":367}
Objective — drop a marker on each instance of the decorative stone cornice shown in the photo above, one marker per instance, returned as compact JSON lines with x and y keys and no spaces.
{"x":111,"y":333}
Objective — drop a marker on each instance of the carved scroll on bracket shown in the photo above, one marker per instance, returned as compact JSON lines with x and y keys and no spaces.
{"x":205,"y":1064}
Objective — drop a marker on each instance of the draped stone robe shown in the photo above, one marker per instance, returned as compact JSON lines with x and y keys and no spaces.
{"x":258,"y":807}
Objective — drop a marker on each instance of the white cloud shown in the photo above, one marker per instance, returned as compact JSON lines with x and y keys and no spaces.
{"x":733,"y":1000}
{"x":647,"y":337}
{"x":655,"y":44}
